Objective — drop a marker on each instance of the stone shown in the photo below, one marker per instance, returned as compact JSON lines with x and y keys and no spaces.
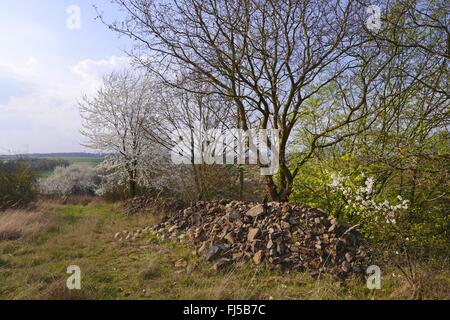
{"x":346,"y":266}
{"x":213,"y":253}
{"x":257,"y":258}
{"x":230,"y":238}
{"x":333,"y":220}
{"x":291,"y":237}
{"x":234,"y":216}
{"x":256,"y":245}
{"x":348,"y":257}
{"x":285,"y":225}
{"x":252,"y":234}
{"x":255,"y":211}
{"x":237,"y":255}
{"x":293,"y":221}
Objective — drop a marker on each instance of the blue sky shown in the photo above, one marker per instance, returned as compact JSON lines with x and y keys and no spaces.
{"x":45,"y":67}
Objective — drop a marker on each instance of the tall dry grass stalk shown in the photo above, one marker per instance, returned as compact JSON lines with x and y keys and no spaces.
{"x":15,"y":224}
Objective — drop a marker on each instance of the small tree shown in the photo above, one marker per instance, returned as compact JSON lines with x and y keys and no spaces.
{"x":381,"y":221}
{"x":77,"y":179}
{"x":17,"y":185}
{"x":114,"y":119}
{"x":154,"y":174}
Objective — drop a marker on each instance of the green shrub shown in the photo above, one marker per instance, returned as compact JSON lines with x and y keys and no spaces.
{"x":18,"y":186}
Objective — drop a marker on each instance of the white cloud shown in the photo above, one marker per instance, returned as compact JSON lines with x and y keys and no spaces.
{"x":20,"y":71}
{"x":46,"y":119}
{"x":92,"y":71}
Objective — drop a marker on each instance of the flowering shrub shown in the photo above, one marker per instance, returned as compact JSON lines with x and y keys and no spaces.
{"x":382,"y":221}
{"x":76,"y":179}
{"x":361,"y":205}
{"x":17,"y":185}
{"x":151,"y":171}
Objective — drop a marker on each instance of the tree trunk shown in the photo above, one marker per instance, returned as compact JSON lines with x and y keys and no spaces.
{"x":280,"y":192}
{"x":132,"y":183}
{"x":241,"y":183}
{"x":132,"y":186}
{"x":198,"y":184}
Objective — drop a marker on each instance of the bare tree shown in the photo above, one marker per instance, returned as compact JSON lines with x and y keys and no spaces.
{"x":114,"y":121}
{"x":269,"y":57}
{"x":191,"y":116}
{"x":420,"y":31}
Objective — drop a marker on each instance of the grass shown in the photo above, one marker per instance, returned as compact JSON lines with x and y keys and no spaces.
{"x":43,"y":174}
{"x":15,"y":224}
{"x":89,"y":160}
{"x":33,"y":265}
{"x":93,"y":162}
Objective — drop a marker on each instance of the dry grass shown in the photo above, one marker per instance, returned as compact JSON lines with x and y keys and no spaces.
{"x":83,"y":200}
{"x":152,"y":271}
{"x":15,"y":224}
{"x":58,"y":291}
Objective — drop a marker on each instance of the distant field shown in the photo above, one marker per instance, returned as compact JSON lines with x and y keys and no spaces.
{"x":44,"y":174}
{"x":72,"y":160}
{"x":89,"y":159}
{"x":92,"y":161}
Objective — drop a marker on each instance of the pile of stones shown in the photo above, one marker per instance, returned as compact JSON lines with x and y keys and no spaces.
{"x":289,"y":237}
{"x":145,"y":204}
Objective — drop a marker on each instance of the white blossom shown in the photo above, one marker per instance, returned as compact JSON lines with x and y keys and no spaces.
{"x":76,"y":179}
{"x":361,"y":199}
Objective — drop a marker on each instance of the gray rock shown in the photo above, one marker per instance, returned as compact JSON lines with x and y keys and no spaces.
{"x":255,"y":211}
{"x":291,"y":237}
{"x":348,"y":257}
{"x":234,"y":216}
{"x":213,"y":253}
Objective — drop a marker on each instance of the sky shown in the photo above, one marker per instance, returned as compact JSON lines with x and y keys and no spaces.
{"x":49,"y":57}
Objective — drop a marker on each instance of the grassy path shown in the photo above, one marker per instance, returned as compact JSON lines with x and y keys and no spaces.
{"x":34,"y":266}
